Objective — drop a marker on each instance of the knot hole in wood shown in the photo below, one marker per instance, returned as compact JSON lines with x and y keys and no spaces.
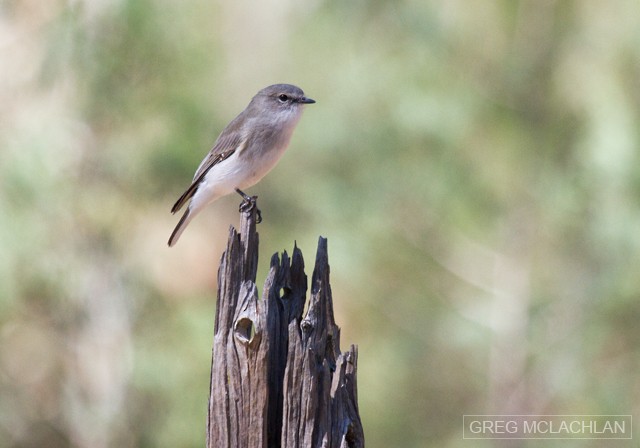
{"x":244,"y":331}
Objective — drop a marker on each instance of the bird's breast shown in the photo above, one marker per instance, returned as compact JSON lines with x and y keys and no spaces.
{"x":262,"y":154}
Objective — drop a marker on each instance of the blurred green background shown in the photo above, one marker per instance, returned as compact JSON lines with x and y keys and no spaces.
{"x":474,"y":166}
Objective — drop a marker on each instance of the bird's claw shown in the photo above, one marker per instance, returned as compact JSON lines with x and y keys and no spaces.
{"x":248,"y":204}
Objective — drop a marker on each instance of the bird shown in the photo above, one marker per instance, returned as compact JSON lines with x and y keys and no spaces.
{"x":244,"y":152}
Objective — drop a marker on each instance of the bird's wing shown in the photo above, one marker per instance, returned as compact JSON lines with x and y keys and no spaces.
{"x":223,"y":149}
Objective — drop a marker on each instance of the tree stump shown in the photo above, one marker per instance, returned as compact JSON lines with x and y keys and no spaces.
{"x":278,"y":379}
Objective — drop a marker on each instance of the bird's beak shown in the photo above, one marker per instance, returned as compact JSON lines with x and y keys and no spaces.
{"x":305,"y":100}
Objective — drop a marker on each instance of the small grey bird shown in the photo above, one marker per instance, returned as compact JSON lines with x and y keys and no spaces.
{"x":246,"y":150}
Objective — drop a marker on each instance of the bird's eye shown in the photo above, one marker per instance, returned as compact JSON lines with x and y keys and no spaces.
{"x":283,"y":98}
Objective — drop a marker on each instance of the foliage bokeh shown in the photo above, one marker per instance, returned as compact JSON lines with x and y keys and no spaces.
{"x":474,"y":166}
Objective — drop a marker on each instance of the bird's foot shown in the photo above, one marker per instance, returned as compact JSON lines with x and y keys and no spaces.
{"x":248,"y":204}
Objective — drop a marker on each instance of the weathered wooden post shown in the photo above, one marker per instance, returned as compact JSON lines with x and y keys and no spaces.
{"x":278,"y":379}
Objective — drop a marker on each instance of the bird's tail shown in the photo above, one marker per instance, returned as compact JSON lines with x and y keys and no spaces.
{"x":182,"y":224}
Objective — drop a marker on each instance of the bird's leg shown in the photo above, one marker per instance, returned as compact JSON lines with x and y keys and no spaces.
{"x":249,"y":203}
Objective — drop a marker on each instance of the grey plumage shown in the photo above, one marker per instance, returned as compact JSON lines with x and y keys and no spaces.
{"x":245,"y":151}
